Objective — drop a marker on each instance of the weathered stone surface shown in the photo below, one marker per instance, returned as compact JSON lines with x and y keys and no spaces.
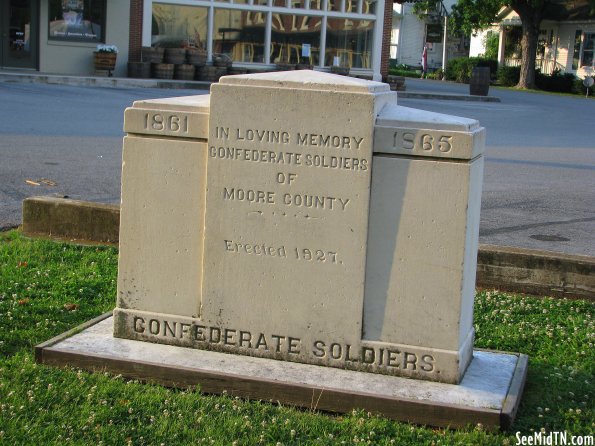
{"x":185,"y":117}
{"x":161,"y":233}
{"x":287,"y":211}
{"x":305,"y":231}
{"x":75,"y":220}
{"x":423,"y":234}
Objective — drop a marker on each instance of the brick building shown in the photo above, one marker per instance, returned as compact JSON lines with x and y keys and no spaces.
{"x":60,"y":36}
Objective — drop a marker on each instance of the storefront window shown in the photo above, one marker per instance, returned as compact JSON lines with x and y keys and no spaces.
{"x":296,"y":26}
{"x":588,"y":45}
{"x":295,"y":39}
{"x":179,"y":26}
{"x":239,"y":34}
{"x":77,"y":20}
{"x":349,"y":43}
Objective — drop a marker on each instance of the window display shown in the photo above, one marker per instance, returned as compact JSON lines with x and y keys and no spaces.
{"x":77,"y":20}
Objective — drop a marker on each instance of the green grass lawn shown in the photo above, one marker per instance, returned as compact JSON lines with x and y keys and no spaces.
{"x":47,"y":288}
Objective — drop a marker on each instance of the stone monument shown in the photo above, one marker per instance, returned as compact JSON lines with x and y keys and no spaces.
{"x":305,"y":218}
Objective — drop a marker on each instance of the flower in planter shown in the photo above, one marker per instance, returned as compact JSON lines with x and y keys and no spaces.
{"x":107,"y":49}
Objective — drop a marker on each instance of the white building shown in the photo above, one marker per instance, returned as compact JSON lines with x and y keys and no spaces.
{"x":410,"y":33}
{"x":566,"y":44}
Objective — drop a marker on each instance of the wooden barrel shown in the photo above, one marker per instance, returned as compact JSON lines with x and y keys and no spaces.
{"x":139,"y":69}
{"x":222,"y":60}
{"x":237,"y":70}
{"x":151,"y":54}
{"x":210,"y":74}
{"x":162,"y":70}
{"x":343,"y":71}
{"x":397,"y":83}
{"x":184,"y":72}
{"x":196,"y":56}
{"x":176,"y":56}
{"x":479,"y":84}
{"x":105,"y":61}
{"x":285,"y":66}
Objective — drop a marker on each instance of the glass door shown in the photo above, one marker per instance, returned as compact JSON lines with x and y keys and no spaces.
{"x":18,"y":33}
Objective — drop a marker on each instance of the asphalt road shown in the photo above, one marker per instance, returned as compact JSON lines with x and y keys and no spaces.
{"x":538,"y":192}
{"x":539,"y":179}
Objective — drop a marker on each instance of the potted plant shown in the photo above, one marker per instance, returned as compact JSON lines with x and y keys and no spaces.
{"x":105,"y":57}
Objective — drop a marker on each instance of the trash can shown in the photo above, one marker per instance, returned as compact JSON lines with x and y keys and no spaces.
{"x":479,"y":85}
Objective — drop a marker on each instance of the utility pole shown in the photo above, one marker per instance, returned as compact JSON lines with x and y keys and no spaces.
{"x":444,"y":52}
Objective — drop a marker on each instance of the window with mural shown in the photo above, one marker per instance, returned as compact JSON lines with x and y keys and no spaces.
{"x":295,"y":39}
{"x":239,"y":34}
{"x":349,"y":43}
{"x":179,"y":26}
{"x":77,"y":20}
{"x":239,"y":29}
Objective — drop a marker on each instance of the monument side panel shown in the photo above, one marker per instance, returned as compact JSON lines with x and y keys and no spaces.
{"x":416,"y":248}
{"x":286,"y":221}
{"x":417,"y":293}
{"x":161,"y":225}
{"x":471,"y":245}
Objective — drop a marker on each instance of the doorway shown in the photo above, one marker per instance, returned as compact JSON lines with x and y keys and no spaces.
{"x":19,"y":33}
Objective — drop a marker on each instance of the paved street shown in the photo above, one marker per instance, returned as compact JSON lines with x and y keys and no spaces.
{"x":539,"y":188}
{"x":539,"y":183}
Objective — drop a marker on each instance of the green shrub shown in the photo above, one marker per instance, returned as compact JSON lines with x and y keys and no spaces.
{"x":460,"y":69}
{"x":399,"y":71}
{"x":491,"y":42}
{"x":557,"y":81}
{"x":492,"y":64}
{"x":509,"y":76}
{"x":438,"y":74}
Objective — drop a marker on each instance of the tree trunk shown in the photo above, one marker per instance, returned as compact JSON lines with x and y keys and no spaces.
{"x":530,"y":12}
{"x":528,"y":53}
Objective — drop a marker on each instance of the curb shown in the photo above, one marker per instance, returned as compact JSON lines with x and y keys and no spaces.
{"x":72,"y":220}
{"x":446,"y":96}
{"x":517,"y":270}
{"x":127,"y":82}
{"x":110,"y":82}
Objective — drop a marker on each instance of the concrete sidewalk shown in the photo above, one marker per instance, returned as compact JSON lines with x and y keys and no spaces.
{"x":98,"y":81}
{"x":425,"y":90}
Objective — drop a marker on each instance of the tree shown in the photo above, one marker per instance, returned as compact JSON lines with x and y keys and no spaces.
{"x":467,"y":16}
{"x":470,"y":15}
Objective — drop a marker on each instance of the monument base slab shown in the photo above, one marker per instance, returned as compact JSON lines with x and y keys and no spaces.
{"x":488,"y":394}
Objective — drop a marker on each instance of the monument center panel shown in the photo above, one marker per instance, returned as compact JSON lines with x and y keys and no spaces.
{"x":286,"y":216}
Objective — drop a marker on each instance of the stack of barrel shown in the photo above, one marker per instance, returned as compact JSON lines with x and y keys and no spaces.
{"x":343,"y":71}
{"x":221,"y":66}
{"x":171,"y":63}
{"x":397,"y":83}
{"x":143,"y":69}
